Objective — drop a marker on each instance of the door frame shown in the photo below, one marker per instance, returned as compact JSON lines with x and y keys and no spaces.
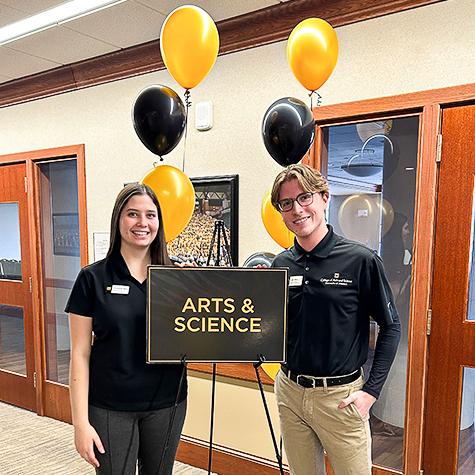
{"x":427,"y":105}
{"x":52,"y":399}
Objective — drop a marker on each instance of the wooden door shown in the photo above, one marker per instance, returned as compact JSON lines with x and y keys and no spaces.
{"x":56,"y":182}
{"x":17,"y":364}
{"x":452,"y":338}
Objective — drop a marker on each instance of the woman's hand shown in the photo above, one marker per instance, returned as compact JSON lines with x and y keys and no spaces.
{"x":186,"y":264}
{"x":85,"y":436}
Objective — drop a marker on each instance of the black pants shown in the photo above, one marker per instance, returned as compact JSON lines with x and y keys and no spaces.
{"x":131,"y":436}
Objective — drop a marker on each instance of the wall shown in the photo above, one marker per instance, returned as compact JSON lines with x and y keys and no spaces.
{"x":421,"y":49}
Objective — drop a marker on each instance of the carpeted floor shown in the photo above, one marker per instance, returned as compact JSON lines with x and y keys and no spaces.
{"x":34,"y":445}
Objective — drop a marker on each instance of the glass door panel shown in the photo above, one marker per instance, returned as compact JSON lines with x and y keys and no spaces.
{"x":10,"y":249}
{"x":12,"y":331}
{"x":60,"y":243}
{"x":471,"y":273}
{"x":466,"y":454}
{"x":12,"y":339}
{"x":371,"y":169}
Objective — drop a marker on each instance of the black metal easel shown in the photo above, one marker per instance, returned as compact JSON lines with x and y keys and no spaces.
{"x":172,"y":415}
{"x":220,"y":238}
{"x":278,"y":454}
{"x":219,"y":234}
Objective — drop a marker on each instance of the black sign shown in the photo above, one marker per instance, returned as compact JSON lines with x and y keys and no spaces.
{"x":216,"y":314}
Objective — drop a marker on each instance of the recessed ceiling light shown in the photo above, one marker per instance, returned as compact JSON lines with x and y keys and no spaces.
{"x":52,"y":17}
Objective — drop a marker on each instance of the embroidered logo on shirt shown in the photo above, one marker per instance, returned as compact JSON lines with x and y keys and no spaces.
{"x":336,"y":281}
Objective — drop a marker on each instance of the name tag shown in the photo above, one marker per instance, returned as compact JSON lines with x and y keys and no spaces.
{"x":295,"y":280}
{"x":120,"y":289}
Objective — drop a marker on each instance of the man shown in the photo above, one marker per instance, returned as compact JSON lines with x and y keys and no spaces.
{"x":335,"y":286}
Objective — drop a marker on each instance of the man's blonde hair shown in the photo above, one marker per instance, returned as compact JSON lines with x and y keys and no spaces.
{"x":310,"y":180}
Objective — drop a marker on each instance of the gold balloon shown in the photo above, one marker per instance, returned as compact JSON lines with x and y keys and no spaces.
{"x":189,"y":43}
{"x":361,"y":216}
{"x":312,"y":51}
{"x":271,"y":369}
{"x":368,"y":129}
{"x":359,"y":219}
{"x":274,"y":224}
{"x":176,"y":195}
{"x":387,"y":214}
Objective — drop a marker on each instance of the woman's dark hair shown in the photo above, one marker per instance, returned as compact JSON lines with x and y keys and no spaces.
{"x":158,"y":247}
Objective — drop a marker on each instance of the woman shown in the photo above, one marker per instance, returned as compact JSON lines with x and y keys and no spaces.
{"x":121,"y":406}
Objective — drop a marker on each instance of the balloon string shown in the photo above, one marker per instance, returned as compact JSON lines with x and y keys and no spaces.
{"x":188,"y":104}
{"x":319,"y":102}
{"x":319,"y":99}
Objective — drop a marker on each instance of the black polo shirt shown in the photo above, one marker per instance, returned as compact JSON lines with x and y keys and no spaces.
{"x":334,"y":289}
{"x":120,"y":379}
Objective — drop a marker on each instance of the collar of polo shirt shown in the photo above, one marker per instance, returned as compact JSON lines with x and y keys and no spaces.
{"x":118,"y":265}
{"x":322,"y":249}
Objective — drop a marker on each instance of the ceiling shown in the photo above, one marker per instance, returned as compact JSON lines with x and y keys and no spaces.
{"x":126,"y":24}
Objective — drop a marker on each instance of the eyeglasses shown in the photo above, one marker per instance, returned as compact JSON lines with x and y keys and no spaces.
{"x":304,"y":199}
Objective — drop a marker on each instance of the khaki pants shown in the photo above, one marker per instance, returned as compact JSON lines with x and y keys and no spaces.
{"x":311,"y":421}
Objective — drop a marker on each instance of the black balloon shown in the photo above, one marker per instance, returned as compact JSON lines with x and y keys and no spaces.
{"x":159,"y":118}
{"x":259,"y":258}
{"x":288,"y":130}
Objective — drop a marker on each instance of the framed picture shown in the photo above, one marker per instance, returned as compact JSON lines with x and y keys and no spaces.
{"x":66,"y":234}
{"x":216,"y":199}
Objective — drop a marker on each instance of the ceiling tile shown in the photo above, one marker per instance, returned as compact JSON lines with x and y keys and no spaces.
{"x":217,"y":9}
{"x":61,"y":45}
{"x":17,"y":64}
{"x":9,"y":15}
{"x":32,"y":6}
{"x":123,"y":25}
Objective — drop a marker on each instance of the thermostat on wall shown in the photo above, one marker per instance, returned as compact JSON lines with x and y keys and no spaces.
{"x":204,"y":115}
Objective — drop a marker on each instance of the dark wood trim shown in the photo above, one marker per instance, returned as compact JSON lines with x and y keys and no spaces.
{"x":274,"y":23}
{"x":82,"y":204}
{"x":231,"y":462}
{"x":53,"y":402}
{"x":242,"y":371}
{"x":261,"y":27}
{"x":68,"y":151}
{"x":319,"y":156}
{"x":387,"y":471}
{"x":421,"y":286}
{"x":403,"y":103}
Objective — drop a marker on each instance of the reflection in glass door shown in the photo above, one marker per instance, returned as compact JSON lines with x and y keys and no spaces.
{"x":60,"y":254}
{"x":371,"y":168}
{"x":12,"y":332}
